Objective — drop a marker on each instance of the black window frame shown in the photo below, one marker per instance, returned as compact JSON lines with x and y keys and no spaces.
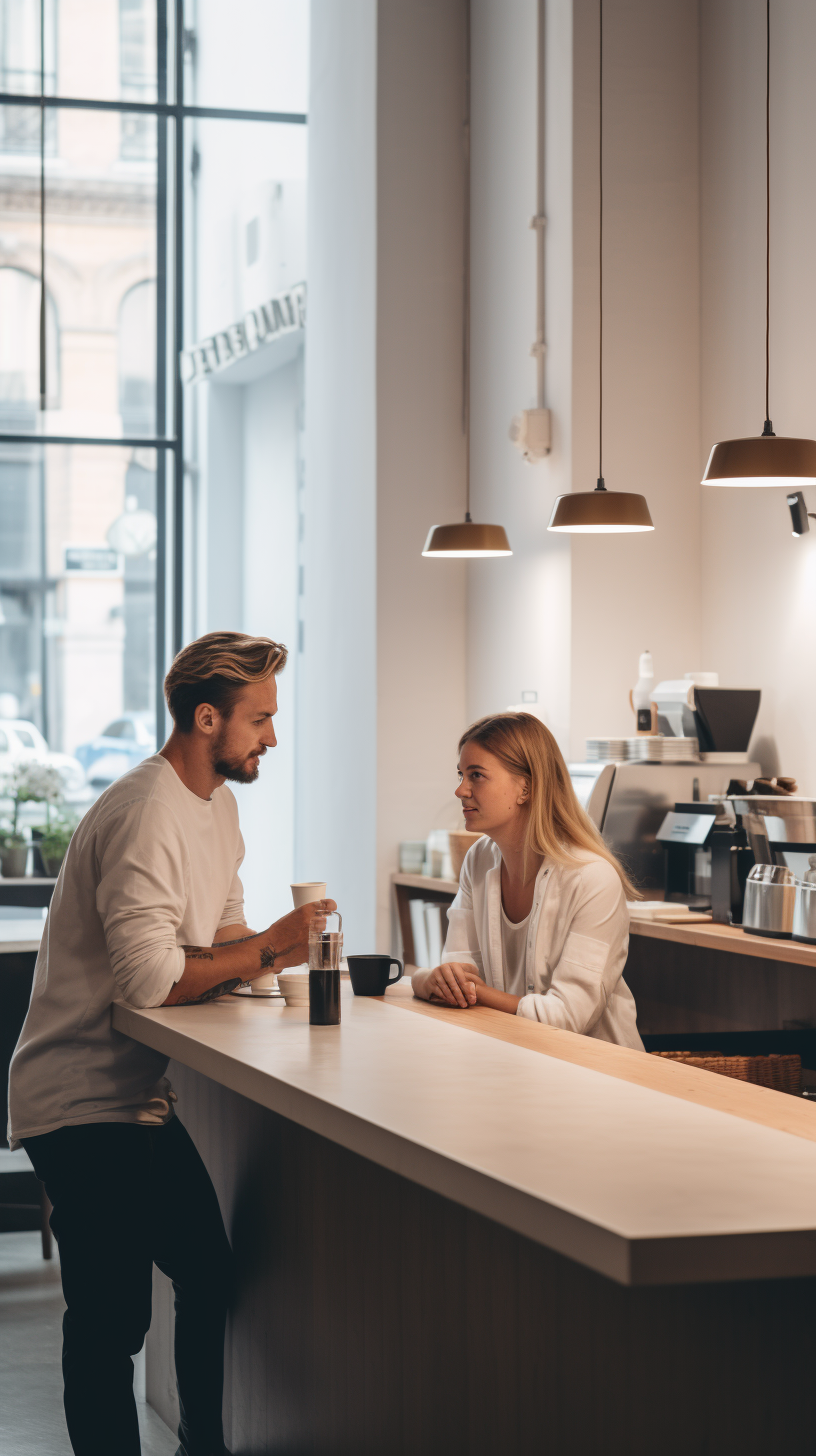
{"x":169,"y":320}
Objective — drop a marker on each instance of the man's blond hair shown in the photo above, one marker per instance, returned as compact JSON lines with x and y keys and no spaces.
{"x":214,"y":669}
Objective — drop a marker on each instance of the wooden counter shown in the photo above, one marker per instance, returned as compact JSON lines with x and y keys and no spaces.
{"x":707,"y":985}
{"x":19,"y":944}
{"x":571,"y":1232}
{"x":697,"y":987}
{"x":376,"y":1084}
{"x":730,"y":938}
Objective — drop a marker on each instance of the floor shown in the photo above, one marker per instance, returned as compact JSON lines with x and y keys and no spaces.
{"x":31,"y":1305}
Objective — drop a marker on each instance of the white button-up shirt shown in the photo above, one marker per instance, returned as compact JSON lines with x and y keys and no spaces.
{"x":577,"y":942}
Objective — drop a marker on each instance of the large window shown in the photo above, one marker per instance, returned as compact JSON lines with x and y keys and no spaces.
{"x":151,"y":227}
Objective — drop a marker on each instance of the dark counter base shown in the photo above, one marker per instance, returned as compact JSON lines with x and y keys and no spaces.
{"x":373,"y":1317}
{"x":16,"y":977}
{"x":686,"y":988}
{"x":33,"y":892}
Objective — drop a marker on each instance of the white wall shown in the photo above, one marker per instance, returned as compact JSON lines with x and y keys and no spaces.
{"x":634,"y":592}
{"x":759,"y":583}
{"x":221,"y":416}
{"x":420,"y":445}
{"x":249,"y":499}
{"x":683,"y":366}
{"x":518,"y":609}
{"x":382,"y":698}
{"x":337,"y":707}
{"x":568,"y":617}
{"x":271,"y":409}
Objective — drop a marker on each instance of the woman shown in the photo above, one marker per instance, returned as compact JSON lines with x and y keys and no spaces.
{"x":540,"y":926}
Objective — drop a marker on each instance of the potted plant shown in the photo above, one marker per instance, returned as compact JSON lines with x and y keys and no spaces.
{"x":53,"y":845}
{"x":13,"y":854}
{"x":30,"y":781}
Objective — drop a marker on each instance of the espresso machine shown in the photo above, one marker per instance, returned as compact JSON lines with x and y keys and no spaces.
{"x":629,"y":801}
{"x":708,"y":859}
{"x":781,"y":829}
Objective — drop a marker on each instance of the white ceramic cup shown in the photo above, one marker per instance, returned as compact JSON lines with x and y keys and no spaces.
{"x":264,"y":983}
{"x":305,"y":891}
{"x":294,"y":985}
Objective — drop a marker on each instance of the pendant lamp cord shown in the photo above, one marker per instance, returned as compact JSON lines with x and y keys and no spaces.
{"x":768,"y":430}
{"x":600,"y":485}
{"x":466,"y":265}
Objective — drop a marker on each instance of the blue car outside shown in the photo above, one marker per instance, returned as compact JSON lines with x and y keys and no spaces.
{"x":126,"y":741}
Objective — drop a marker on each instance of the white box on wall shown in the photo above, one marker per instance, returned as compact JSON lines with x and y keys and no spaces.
{"x":272,"y":240}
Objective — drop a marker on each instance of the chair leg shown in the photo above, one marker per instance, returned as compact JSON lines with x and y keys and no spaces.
{"x":45,"y":1227}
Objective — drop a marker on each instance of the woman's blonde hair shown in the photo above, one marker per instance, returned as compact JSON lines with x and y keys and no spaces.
{"x":556,"y":822}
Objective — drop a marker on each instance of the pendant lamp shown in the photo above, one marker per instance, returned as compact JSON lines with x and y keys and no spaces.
{"x":467,"y":538}
{"x":600,"y":511}
{"x":765,"y":459}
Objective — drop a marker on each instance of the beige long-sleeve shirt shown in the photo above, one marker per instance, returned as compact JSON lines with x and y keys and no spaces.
{"x":151,"y":868}
{"x":577,"y":938}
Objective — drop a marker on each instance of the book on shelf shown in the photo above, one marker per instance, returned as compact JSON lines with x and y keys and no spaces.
{"x":429,"y":926}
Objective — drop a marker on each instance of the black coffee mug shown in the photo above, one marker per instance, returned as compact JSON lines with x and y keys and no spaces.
{"x":370,"y":974}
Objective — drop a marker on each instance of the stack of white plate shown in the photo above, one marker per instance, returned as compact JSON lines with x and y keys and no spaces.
{"x":653,"y":748}
{"x":606,"y":750}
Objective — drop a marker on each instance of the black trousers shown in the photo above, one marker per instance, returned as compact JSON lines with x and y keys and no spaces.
{"x":126,"y":1197}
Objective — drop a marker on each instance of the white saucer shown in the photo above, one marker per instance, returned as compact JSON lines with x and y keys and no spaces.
{"x":272,"y":993}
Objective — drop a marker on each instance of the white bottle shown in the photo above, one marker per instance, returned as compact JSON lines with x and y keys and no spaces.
{"x":641,"y":694}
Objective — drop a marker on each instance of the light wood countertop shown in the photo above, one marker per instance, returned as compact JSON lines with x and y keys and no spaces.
{"x":646,"y":1172}
{"x":20,"y":935}
{"x":727,"y":937}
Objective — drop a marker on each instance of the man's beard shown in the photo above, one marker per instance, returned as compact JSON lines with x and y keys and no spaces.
{"x":233,"y":769}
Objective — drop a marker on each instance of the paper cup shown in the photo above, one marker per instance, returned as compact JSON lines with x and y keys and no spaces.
{"x":305,"y":891}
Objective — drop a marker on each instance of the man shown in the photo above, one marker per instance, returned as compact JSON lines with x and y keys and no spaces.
{"x":148,"y":909}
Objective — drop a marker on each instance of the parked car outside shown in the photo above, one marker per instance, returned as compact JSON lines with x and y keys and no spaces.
{"x":128,"y":740}
{"x":22,"y":741}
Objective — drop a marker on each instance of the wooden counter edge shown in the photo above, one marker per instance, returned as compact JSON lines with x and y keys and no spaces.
{"x":762,"y":1105}
{"x":729,"y":938}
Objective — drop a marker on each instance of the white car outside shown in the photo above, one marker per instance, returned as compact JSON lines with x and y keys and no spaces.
{"x":21,"y":742}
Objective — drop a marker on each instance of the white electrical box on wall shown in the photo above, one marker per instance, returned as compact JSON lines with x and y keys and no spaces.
{"x":272,"y":252}
{"x":531,"y":433}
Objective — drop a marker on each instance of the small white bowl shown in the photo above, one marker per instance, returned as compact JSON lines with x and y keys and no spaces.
{"x":264,"y":983}
{"x":294,"y":987}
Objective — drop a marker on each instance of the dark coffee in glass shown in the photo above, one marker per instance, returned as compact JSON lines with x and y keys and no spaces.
{"x":325,"y":950}
{"x":370,"y":974}
{"x":324,"y":998}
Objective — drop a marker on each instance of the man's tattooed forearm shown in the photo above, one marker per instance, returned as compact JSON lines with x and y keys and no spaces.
{"x":197,"y":953}
{"x":210,"y":995}
{"x":269,"y":955}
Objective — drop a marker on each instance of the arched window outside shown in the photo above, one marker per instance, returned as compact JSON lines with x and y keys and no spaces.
{"x":20,"y":341}
{"x":137,"y":359}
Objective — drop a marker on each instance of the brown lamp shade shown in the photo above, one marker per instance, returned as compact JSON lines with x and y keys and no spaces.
{"x":598,"y":511}
{"x":467,"y":538}
{"x":762,"y":460}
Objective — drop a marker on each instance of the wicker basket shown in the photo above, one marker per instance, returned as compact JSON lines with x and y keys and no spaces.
{"x":783,"y":1073}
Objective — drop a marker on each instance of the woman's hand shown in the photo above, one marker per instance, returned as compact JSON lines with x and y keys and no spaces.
{"x":454,"y":983}
{"x":459,"y":984}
